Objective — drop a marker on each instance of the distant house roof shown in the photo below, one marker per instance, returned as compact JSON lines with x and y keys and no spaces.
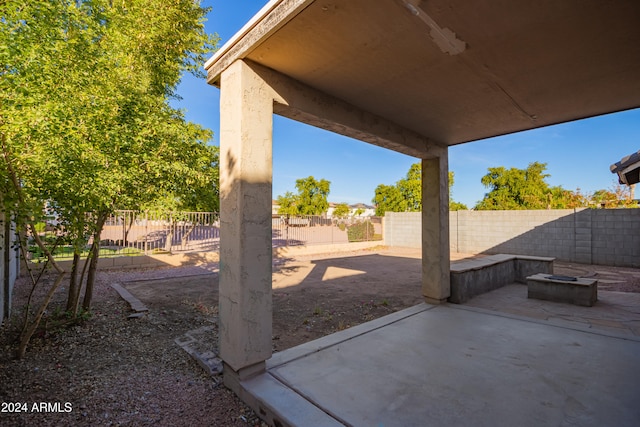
{"x":360,"y":206}
{"x":628,"y":169}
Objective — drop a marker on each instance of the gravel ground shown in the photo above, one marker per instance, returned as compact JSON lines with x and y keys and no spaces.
{"x":112,"y":370}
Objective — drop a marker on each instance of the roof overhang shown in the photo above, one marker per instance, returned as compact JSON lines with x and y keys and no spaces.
{"x":452,"y":71}
{"x":628,"y":169}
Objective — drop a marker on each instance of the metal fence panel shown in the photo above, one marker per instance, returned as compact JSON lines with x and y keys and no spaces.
{"x":129,"y":233}
{"x":148,"y":232}
{"x":297,"y":230}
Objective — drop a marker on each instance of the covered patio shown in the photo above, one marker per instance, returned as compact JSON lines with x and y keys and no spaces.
{"x":415,"y":77}
{"x":452,"y":365}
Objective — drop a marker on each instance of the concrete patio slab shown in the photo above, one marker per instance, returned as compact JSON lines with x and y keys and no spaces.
{"x":453,"y":365}
{"x":617,"y":313}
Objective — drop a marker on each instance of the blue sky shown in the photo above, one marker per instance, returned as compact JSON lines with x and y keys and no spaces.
{"x":578,"y":154}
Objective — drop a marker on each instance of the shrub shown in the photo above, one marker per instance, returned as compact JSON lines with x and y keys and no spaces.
{"x":360,"y":232}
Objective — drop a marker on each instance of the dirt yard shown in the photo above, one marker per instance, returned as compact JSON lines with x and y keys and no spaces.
{"x":112,"y":370}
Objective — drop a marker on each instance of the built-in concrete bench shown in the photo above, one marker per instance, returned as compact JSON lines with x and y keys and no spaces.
{"x":577,"y":291}
{"x":477,"y":276}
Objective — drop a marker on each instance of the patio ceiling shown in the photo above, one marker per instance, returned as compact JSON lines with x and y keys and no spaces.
{"x":452,"y":71}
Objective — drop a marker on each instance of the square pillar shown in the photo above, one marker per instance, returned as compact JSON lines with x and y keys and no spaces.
{"x":435,"y":229}
{"x":246,"y":110}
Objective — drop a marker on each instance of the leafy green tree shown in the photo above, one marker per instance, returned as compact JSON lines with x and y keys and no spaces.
{"x":515,"y":188}
{"x":288,"y":204}
{"x":341,"y":210}
{"x":457,"y":206}
{"x":312,"y":195}
{"x":411,"y":188}
{"x":197,"y":195}
{"x":389,"y":198}
{"x":406,"y":194}
{"x":86,"y":124}
{"x":525,"y":189}
{"x":560,"y":198}
{"x":617,"y":197}
{"x":310,"y":200}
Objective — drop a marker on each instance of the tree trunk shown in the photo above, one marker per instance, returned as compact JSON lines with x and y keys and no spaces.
{"x":185,"y":238}
{"x":44,"y":249}
{"x":169,"y":239}
{"x":74,"y":285}
{"x":173,"y":223}
{"x":127,"y":228}
{"x":93,"y":264}
{"x":28,"y":333}
{"x":34,"y":280}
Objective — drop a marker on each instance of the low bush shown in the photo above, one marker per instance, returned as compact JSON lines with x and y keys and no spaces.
{"x":360,"y":232}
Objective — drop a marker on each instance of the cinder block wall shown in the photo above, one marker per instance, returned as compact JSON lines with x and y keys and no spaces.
{"x":403,"y":229}
{"x":453,"y":231}
{"x":615,"y":235}
{"x":591,"y":236}
{"x":538,"y":233}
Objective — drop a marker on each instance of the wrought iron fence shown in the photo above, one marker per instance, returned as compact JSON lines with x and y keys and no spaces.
{"x":129,"y":233}
{"x":188,"y":231}
{"x":147,"y":232}
{"x":296,"y":230}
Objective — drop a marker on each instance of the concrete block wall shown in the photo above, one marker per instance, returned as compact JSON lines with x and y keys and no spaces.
{"x":536,"y":233}
{"x":615,"y":236}
{"x":590,"y":236}
{"x":583,"y":236}
{"x":403,"y":229}
{"x":453,"y":231}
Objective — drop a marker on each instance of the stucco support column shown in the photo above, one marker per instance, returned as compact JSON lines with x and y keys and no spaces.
{"x":246,"y":110}
{"x":435,"y":228}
